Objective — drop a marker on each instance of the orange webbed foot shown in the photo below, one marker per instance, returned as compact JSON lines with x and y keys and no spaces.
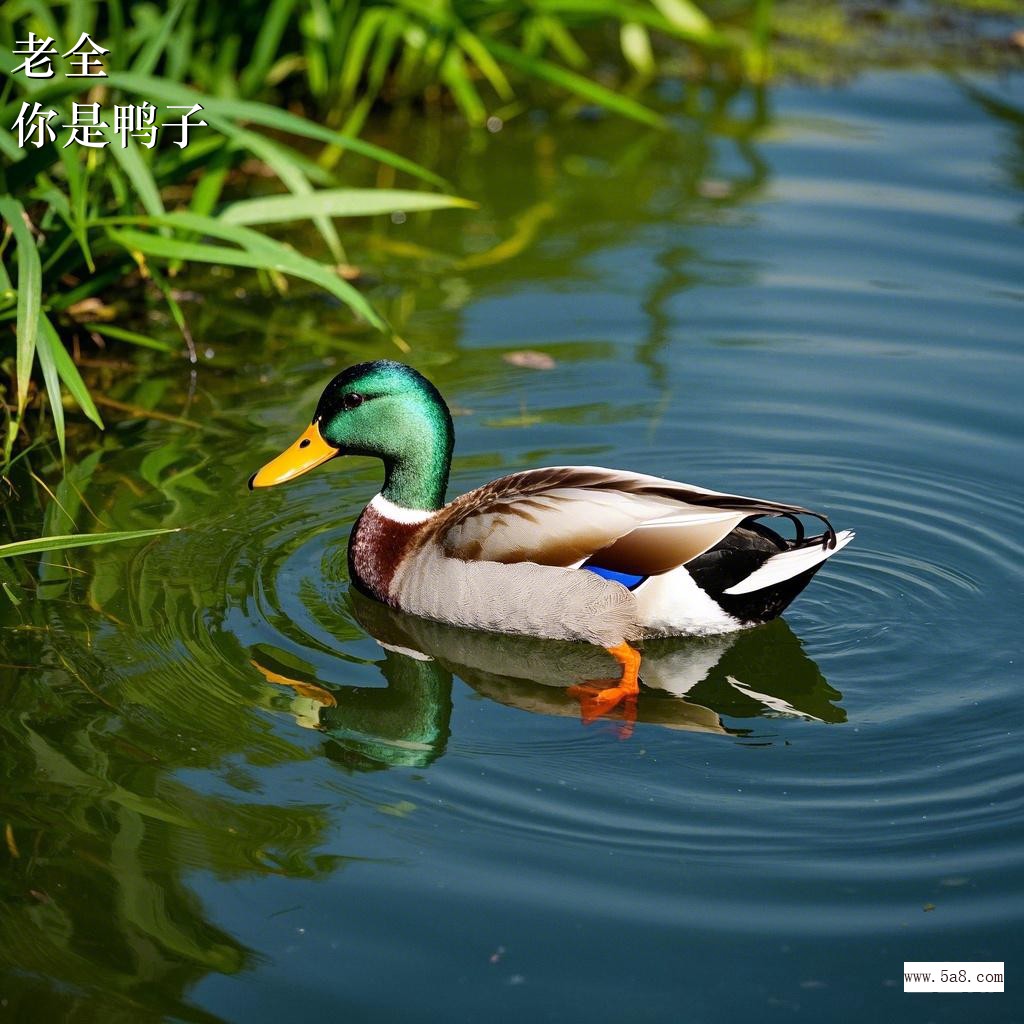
{"x":597,"y":701}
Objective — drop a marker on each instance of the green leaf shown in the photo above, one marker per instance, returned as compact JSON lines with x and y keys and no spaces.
{"x":177,"y":313}
{"x":46,"y":339}
{"x":132,"y":337}
{"x":358,"y":47}
{"x":78,"y":190}
{"x":9,"y":147}
{"x":259,"y":253}
{"x":30,"y":287}
{"x":76,"y":540}
{"x":215,"y":174}
{"x":139,"y":174}
{"x":685,"y":15}
{"x":695,"y":29}
{"x":636,"y":47}
{"x":387,"y":42}
{"x":162,"y":91}
{"x":267,"y":46}
{"x":292,"y":176}
{"x":151,"y":53}
{"x":577,"y":84}
{"x":481,"y":57}
{"x":73,"y":380}
{"x":456,"y":77}
{"x":244,"y":138}
{"x":561,"y":39}
{"x":337,"y":202}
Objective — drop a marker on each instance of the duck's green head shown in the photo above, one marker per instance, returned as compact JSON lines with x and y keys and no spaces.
{"x":386,"y":410}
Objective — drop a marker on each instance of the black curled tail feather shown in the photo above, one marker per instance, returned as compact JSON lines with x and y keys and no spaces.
{"x":742,"y":553}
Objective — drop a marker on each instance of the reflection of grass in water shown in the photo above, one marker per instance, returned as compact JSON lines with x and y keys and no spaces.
{"x":128,"y":733}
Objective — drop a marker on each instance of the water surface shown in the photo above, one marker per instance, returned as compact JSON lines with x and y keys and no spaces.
{"x":226,"y":800}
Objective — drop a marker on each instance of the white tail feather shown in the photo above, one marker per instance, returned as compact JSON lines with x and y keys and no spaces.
{"x":789,"y":564}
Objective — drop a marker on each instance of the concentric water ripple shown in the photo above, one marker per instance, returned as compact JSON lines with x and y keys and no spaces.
{"x":708,"y":809}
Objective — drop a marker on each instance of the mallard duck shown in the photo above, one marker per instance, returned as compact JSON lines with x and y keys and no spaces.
{"x":580,"y":553}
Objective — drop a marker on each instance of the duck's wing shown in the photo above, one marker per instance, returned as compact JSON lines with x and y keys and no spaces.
{"x":567,"y":515}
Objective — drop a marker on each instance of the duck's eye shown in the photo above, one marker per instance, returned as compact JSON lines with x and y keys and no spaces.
{"x":350,"y":401}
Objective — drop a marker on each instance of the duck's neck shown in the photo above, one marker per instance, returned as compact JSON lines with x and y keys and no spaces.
{"x":416,"y":474}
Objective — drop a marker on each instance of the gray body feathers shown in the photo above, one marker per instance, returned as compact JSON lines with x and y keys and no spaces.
{"x":534,"y":600}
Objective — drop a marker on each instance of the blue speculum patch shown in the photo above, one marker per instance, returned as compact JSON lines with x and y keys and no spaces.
{"x":628,"y":580}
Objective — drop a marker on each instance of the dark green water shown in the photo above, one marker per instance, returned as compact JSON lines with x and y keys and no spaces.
{"x":816,"y":298}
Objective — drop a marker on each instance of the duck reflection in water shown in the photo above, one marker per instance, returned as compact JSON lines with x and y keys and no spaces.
{"x":688,"y":684}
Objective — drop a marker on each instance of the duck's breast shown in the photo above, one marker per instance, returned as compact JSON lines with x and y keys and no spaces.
{"x":383,"y":537}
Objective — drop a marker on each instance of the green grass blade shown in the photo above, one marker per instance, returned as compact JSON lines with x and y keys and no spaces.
{"x":292,"y":177}
{"x":181,"y":249}
{"x":73,"y":380}
{"x":475,"y":50}
{"x":177,"y":313}
{"x":76,"y":540}
{"x":138,"y":172}
{"x":207,"y":192}
{"x":582,"y":87}
{"x":165,"y":92}
{"x":269,"y":255}
{"x":387,"y":42}
{"x":561,"y":40}
{"x":55,"y":200}
{"x":9,"y":147}
{"x":685,"y":15}
{"x":354,"y":63}
{"x":46,"y":340}
{"x":132,"y":337}
{"x":78,"y":198}
{"x":30,"y":285}
{"x":149,"y":56}
{"x":697,"y":30}
{"x":266,"y":49}
{"x":312,"y":169}
{"x":337,"y":202}
{"x":456,"y":77}
{"x":636,"y":47}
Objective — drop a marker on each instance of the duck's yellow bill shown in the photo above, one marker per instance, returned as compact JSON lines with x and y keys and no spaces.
{"x":308,"y":452}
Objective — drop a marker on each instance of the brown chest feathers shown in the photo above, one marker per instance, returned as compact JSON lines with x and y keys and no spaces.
{"x":375,"y":550}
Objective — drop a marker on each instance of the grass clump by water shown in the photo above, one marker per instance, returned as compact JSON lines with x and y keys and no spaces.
{"x":80,"y":220}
